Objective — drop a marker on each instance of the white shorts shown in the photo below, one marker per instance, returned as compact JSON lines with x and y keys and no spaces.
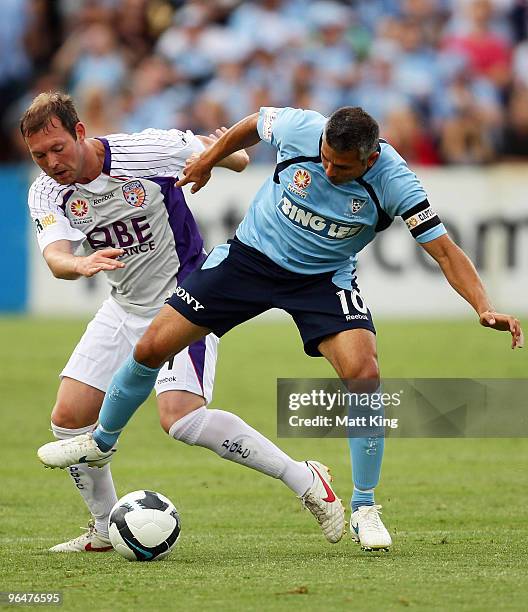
{"x":109,"y":340}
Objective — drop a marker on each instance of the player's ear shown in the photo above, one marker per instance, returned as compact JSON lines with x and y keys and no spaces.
{"x":80,"y":131}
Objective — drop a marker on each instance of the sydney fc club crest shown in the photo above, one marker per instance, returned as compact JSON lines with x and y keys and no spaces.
{"x":134,"y":194}
{"x":356,"y":204}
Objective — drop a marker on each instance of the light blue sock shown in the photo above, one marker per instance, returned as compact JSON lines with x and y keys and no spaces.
{"x":362,"y":498}
{"x":129,"y":388}
{"x":366,"y":455}
{"x":367,"y":444}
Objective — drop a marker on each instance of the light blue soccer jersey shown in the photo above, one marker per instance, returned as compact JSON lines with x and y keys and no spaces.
{"x":305,"y":223}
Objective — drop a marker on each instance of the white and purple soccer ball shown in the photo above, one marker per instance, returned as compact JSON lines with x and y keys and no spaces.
{"x":144,"y":526}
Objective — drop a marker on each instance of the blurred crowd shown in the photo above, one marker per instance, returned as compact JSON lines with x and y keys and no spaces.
{"x":446,"y":79}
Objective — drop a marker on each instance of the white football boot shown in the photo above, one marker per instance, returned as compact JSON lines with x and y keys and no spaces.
{"x":367,"y":528}
{"x":91,"y":541}
{"x":324,"y":504}
{"x":80,"y":449}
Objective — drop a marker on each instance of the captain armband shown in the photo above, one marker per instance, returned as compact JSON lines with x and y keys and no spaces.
{"x":420,"y":218}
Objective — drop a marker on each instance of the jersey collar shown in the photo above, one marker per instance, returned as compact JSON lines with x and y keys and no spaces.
{"x":100,"y":183}
{"x":107,"y":162}
{"x":97,"y":186}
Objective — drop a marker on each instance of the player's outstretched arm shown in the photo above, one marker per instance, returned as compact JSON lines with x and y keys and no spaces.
{"x":242,"y":135}
{"x":237,"y":161}
{"x":64,"y":264}
{"x":463,"y":277}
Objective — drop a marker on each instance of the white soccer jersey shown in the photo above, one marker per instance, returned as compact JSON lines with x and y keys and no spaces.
{"x":134,"y":205}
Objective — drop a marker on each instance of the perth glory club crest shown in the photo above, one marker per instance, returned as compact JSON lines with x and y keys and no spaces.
{"x":134,"y":194}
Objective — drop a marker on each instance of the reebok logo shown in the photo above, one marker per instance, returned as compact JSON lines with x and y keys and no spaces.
{"x":168,"y":379}
{"x":104,"y":198}
{"x":188,"y":298}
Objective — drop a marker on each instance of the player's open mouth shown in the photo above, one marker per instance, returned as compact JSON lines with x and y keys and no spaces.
{"x":61,"y":173}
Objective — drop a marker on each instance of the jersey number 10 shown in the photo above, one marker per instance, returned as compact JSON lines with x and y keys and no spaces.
{"x":355,"y":299}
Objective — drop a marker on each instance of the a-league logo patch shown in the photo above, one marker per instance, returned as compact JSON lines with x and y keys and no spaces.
{"x":356,"y":205}
{"x":134,"y":194}
{"x":300,"y":182}
{"x":79,"y":208}
{"x":302,"y":179}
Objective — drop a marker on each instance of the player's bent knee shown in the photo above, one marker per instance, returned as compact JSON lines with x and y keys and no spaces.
{"x":370,"y":370}
{"x":166,"y":336}
{"x":64,"y":416}
{"x":175,"y":405}
{"x":188,"y":428}
{"x":149,"y":352}
{"x":367,"y":371}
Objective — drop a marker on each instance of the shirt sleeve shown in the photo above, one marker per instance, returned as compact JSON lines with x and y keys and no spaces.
{"x":152,"y":152}
{"x":292,"y":131}
{"x":184,"y":145}
{"x":275,"y":124}
{"x":180,"y":147}
{"x":51,"y":224}
{"x":405,"y":197}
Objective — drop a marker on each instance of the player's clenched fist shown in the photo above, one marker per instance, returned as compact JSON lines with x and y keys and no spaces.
{"x":105,"y":259}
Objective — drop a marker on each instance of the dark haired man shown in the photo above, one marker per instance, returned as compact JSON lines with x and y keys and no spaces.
{"x":335,"y":186}
{"x":116,"y":198}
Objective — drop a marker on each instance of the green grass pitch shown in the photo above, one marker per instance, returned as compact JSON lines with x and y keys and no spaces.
{"x":456,"y":508}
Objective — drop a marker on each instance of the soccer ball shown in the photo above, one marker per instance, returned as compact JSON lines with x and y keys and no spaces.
{"x":144,"y":526}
